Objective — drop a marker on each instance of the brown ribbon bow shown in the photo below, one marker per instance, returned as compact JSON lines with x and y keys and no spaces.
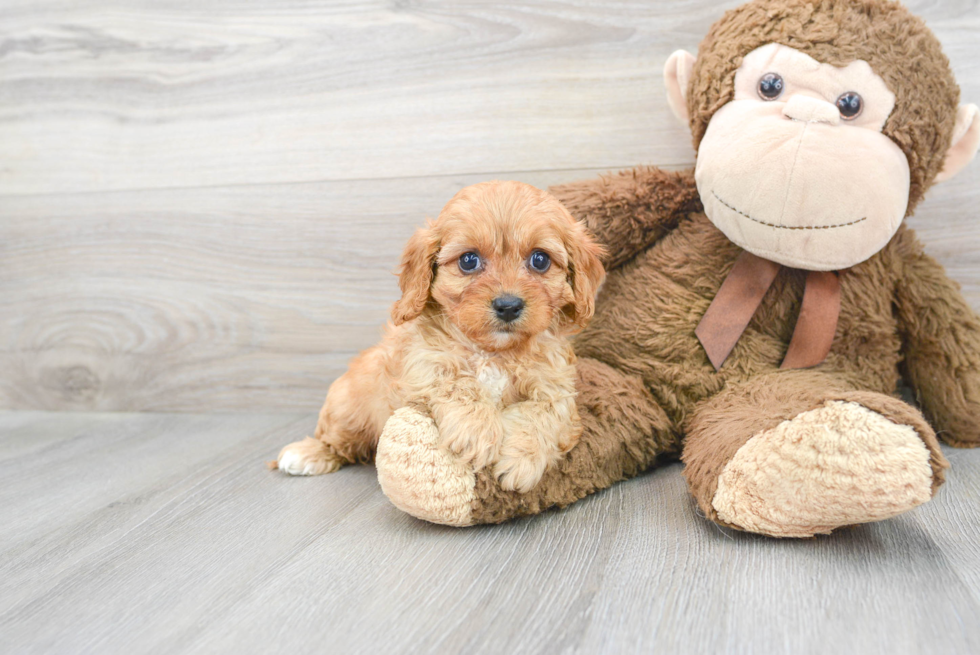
{"x":739,"y":297}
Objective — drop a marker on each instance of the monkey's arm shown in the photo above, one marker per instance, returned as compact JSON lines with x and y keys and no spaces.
{"x":628,"y":211}
{"x":942,"y":347}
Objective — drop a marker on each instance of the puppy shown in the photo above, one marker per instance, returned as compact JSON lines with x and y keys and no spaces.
{"x":490,"y":290}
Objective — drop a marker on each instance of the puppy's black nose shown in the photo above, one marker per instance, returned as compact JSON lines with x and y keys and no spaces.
{"x":508,"y":308}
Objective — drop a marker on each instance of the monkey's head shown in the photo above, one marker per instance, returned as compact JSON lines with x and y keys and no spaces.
{"x":819,"y":125}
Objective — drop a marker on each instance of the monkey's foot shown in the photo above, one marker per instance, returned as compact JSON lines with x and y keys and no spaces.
{"x":840,"y":464}
{"x":418,"y":476}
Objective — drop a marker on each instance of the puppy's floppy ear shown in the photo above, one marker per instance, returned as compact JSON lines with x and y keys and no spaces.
{"x":415,"y":275}
{"x":585,"y":270}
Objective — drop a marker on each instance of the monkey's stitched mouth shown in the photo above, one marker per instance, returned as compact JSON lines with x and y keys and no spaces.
{"x":785,"y":227}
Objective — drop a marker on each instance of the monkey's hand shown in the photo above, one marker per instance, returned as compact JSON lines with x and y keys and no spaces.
{"x":629,"y":211}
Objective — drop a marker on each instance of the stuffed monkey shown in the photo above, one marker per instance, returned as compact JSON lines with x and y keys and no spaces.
{"x":760,"y":310}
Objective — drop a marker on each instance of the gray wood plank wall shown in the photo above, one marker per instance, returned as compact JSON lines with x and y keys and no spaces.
{"x":201,"y":203}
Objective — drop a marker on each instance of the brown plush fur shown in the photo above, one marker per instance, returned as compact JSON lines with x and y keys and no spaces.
{"x":897,"y":44}
{"x":646,"y":388}
{"x":781,"y":452}
{"x":500,"y":392}
{"x":659,"y":297}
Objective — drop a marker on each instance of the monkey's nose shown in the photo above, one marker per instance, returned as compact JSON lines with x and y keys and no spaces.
{"x":811,"y":110}
{"x":508,"y":308}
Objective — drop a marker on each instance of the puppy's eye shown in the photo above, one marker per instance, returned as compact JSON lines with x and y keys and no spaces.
{"x":539,"y":261}
{"x":469,"y":262}
{"x":770,"y":86}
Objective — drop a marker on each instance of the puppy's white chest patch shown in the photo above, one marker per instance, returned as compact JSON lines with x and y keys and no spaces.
{"x":492,"y":379}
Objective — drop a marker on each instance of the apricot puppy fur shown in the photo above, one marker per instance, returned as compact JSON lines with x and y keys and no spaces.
{"x":490,"y":291}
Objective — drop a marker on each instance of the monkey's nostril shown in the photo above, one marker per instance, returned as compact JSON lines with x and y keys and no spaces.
{"x":811,"y":110}
{"x":508,"y":308}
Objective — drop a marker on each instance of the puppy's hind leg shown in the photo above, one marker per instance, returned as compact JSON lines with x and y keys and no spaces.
{"x":307,"y":457}
{"x":352,"y":417}
{"x":334,"y":443}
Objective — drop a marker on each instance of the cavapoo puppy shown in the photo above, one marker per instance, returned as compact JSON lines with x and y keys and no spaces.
{"x":490,"y":290}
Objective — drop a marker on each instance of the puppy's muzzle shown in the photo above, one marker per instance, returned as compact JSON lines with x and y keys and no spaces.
{"x":508,"y":308}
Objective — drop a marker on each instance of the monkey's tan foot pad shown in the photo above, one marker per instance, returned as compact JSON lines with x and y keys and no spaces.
{"x":418,"y":476}
{"x":840,"y":464}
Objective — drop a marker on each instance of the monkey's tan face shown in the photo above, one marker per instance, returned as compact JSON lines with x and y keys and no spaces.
{"x":795,"y":168}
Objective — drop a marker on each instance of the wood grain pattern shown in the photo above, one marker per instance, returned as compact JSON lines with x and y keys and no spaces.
{"x":201,"y":205}
{"x":201,"y":299}
{"x":168,"y":94}
{"x":243,"y":93}
{"x":157,"y":533}
{"x":217,"y":299}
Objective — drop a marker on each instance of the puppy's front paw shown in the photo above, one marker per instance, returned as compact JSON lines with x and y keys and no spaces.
{"x":308,"y":457}
{"x":520,"y":471}
{"x":473,"y":438}
{"x":474,"y":452}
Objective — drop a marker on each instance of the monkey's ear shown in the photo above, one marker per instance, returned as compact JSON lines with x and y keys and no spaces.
{"x":966,"y":140}
{"x":677,"y":76}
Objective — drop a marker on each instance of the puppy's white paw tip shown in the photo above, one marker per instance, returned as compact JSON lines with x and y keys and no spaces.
{"x":293,"y":464}
{"x":307,"y":457}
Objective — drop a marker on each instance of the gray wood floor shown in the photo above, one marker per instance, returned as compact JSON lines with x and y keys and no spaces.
{"x":153,"y":533}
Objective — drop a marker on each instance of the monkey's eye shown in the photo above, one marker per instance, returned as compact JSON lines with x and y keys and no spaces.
{"x":539,"y":261}
{"x":469,"y":262}
{"x":770,"y":86}
{"x":850,"y":105}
